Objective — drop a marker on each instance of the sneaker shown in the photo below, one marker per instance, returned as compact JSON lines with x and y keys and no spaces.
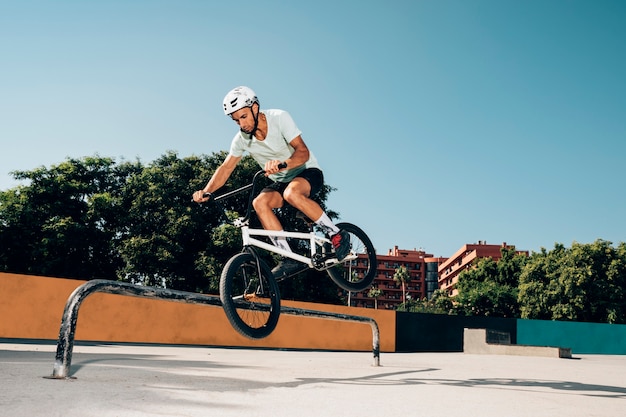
{"x":286,"y":268}
{"x":341,"y":243}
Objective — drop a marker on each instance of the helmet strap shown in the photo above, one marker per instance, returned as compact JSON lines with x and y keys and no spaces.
{"x":256,"y":121}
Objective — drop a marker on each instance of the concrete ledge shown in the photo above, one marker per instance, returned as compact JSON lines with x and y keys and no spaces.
{"x":475,"y":342}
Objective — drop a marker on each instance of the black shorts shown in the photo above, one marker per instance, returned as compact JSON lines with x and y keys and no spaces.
{"x":314,"y":176}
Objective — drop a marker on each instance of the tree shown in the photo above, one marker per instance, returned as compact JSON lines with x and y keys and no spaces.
{"x":375,"y":292}
{"x":66,"y":221}
{"x":402,"y":276}
{"x":441,"y":302}
{"x":537,"y":293}
{"x":490,"y":288}
{"x":583,"y":283}
{"x":487,"y":299}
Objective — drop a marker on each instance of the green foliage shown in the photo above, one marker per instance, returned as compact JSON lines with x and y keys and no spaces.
{"x":488,"y":299}
{"x":66,"y":221}
{"x":586,"y":282}
{"x":165,"y":233}
{"x":375,"y":292}
{"x":402,"y":276}
{"x":490,"y":288}
{"x":440,"y":303}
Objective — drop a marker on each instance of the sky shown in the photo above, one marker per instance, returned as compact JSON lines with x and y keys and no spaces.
{"x":439,"y":122}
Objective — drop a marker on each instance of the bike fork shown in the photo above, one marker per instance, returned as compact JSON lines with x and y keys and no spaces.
{"x":257,"y":261}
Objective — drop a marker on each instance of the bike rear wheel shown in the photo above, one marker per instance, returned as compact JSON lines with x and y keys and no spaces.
{"x":359,"y":273}
{"x":250,"y":296}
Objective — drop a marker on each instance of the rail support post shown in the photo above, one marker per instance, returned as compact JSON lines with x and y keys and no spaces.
{"x":65,"y":344}
{"x":342,"y":317}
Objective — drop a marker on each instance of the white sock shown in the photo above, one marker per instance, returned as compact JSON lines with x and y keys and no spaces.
{"x":281,"y":242}
{"x":325,"y":222}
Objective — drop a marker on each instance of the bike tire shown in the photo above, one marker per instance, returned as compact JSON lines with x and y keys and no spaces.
{"x":356,"y":275}
{"x":250,"y":300}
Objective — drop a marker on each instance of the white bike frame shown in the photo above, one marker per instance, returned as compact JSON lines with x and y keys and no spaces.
{"x":249,"y":235}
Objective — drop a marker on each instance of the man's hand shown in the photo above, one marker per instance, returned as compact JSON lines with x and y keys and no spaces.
{"x":201,"y":196}
{"x":272,"y":167}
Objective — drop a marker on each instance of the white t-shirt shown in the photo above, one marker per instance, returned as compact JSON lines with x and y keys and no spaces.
{"x":281,"y":129}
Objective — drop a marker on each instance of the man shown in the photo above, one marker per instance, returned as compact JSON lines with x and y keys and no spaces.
{"x":272,"y":138}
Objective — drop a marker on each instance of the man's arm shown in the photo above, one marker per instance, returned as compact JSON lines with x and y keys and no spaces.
{"x":299,"y":157}
{"x":219,"y":178}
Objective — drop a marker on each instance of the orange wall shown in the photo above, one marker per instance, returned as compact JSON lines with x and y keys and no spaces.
{"x":31,"y":308}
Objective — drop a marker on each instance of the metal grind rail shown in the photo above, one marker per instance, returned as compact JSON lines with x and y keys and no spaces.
{"x":65,"y":344}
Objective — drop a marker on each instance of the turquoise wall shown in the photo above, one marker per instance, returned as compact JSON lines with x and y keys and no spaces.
{"x":582,"y":338}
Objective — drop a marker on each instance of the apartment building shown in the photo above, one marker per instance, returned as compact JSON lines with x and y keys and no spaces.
{"x":450,"y":269}
{"x":420,"y":266}
{"x":428,"y":273}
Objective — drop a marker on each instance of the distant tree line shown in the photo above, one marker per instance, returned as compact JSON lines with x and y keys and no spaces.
{"x":93,"y":217}
{"x":586,"y":282}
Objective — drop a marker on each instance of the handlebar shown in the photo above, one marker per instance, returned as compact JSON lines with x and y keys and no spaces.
{"x":282,"y":165}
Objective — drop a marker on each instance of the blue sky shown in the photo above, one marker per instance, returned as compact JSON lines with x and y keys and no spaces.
{"x":440,"y":122}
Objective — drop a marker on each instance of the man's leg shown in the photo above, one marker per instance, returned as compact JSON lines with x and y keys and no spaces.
{"x":297,"y":194}
{"x":264,"y":205}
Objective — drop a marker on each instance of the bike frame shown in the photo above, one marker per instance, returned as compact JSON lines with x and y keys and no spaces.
{"x":249,"y":235}
{"x":249,"y":239}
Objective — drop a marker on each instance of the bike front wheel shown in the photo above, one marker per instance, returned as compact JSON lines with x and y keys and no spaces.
{"x":358,"y":271}
{"x":250,"y":296}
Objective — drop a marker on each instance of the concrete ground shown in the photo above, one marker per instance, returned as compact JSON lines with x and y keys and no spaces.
{"x":139,"y":380}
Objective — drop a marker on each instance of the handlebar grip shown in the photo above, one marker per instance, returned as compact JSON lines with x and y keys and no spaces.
{"x":204,"y":195}
{"x":281,"y":165}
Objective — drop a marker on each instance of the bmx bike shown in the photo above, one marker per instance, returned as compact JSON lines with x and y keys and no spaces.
{"x":249,"y":291}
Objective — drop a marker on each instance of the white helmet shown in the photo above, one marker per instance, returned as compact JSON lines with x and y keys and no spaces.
{"x":238,"y":98}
